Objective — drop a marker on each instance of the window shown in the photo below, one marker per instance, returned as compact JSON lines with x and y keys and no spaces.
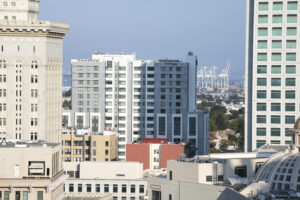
{"x":262,"y":31}
{"x":208,"y":178}
{"x":263,"y":19}
{"x":291,"y":69}
{"x":276,"y":57}
{"x":277,"y":6}
{"x":275,"y":119}
{"x":275,"y":141}
{"x":241,"y":171}
{"x":290,"y":56}
{"x":79,"y":188}
{"x":25,"y":195}
{"x":275,"y":107}
{"x":292,"y":5}
{"x":115,"y":188}
{"x":97,"y":188}
{"x":6,"y":195}
{"x":276,"y":44}
{"x":276,"y":69}
{"x":142,"y":188}
{"x":290,"y":94}
{"x":161,"y":125}
{"x":40,"y":195}
{"x":177,"y":126}
{"x":192,"y":126}
{"x":88,"y":188}
{"x":261,"y":94}
{"x":291,"y":31}
{"x":106,"y":187}
{"x":291,"y":44}
{"x":261,"y":69}
{"x":289,"y":119}
{"x":261,"y":107}
{"x":276,"y":31}
{"x":290,"y":82}
{"x":261,"y":131}
{"x":262,"y":57}
{"x":262,"y":44}
{"x":261,"y":119}
{"x":106,"y":152}
{"x":132,"y":188}
{"x":261,"y":82}
{"x":124,"y":188}
{"x":290,"y":107}
{"x":288,"y":133}
{"x":263,"y":6}
{"x":275,"y":94}
{"x":291,"y":18}
{"x":275,"y":82}
{"x":275,"y":132}
{"x":277,"y":19}
{"x":170,"y":197}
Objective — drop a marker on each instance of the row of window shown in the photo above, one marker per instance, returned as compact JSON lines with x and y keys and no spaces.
{"x":88,"y":75}
{"x":276,"y":82}
{"x":88,"y":89}
{"x":276,"y":57}
{"x":3,"y":64}
{"x":20,"y":195}
{"x":95,"y":82}
{"x":107,"y":188}
{"x":275,"y":132}
{"x":277,"y":18}
{"x":276,"y":94}
{"x":260,"y":143}
{"x":275,"y":119}
{"x":276,"y":69}
{"x":277,"y":31}
{"x":278,"y":5}
{"x":276,"y":44}
{"x":276,"y":107}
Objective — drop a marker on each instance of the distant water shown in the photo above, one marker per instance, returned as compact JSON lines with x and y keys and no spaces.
{"x":67,"y":80}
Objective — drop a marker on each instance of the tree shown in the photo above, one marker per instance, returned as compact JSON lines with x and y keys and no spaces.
{"x":223,"y":145}
{"x":212,"y":126}
{"x":221,"y":121}
{"x":67,"y":104}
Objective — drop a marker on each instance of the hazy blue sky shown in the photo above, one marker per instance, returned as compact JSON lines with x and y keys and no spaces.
{"x":154,"y":29}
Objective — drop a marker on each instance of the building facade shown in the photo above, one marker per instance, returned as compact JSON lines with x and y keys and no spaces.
{"x":153,"y":156}
{"x":272,"y":72}
{"x":31,"y":170}
{"x":30,"y":73}
{"x":138,"y":99}
{"x":78,"y":147}
{"x":123,"y":180}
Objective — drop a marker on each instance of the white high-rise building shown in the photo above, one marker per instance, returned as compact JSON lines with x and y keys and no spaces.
{"x":138,"y":99}
{"x":30,"y":72}
{"x":272,"y":71}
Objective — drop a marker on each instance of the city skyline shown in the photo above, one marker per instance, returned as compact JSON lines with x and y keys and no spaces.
{"x":157,"y":27}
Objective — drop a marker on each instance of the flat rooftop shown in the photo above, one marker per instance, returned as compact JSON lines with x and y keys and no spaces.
{"x":27,"y":144}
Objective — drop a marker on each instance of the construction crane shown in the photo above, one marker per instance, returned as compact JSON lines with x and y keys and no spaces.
{"x":208,"y":80}
{"x":223,"y":78}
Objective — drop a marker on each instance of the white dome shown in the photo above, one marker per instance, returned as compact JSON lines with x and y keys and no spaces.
{"x":281,"y":171}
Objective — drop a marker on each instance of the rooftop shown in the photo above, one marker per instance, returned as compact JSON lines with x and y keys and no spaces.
{"x":27,"y":144}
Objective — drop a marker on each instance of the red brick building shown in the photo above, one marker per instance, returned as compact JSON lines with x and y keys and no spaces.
{"x":153,"y":155}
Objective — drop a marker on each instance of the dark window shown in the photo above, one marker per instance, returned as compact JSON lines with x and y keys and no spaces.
{"x":124,"y":189}
{"x":170,"y":197}
{"x":142,"y":190}
{"x":88,"y":188}
{"x":79,"y":188}
{"x":106,"y":188}
{"x":132,"y":188}
{"x":97,"y":187}
{"x":115,"y":188}
{"x":241,"y":171}
{"x":208,"y":178}
{"x":106,"y":143}
{"x":170,"y":175}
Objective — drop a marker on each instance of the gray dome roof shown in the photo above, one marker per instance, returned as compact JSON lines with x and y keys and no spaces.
{"x":281,"y":171}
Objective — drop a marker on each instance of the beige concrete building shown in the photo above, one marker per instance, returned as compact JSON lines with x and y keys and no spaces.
{"x":31,"y":170}
{"x":78,"y":145}
{"x":30,"y":73}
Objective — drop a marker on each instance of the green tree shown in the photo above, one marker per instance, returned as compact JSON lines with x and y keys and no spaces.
{"x":221,"y":121}
{"x":212,"y":125}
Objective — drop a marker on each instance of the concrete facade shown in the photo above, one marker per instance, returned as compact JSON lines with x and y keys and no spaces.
{"x":138,"y":98}
{"x":123,"y":180}
{"x":30,"y":73}
{"x":33,"y":170}
{"x":88,"y":147}
{"x":272,"y":72}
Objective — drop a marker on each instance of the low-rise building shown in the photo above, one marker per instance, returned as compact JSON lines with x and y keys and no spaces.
{"x":154,"y":153}
{"x":123,"y":180}
{"x":80,"y":145}
{"x":31,"y":170}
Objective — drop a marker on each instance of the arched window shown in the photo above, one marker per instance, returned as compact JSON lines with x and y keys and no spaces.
{"x":34,"y":64}
{"x":2,"y":64}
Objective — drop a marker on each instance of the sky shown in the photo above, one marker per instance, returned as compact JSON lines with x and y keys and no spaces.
{"x":154,"y":29}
